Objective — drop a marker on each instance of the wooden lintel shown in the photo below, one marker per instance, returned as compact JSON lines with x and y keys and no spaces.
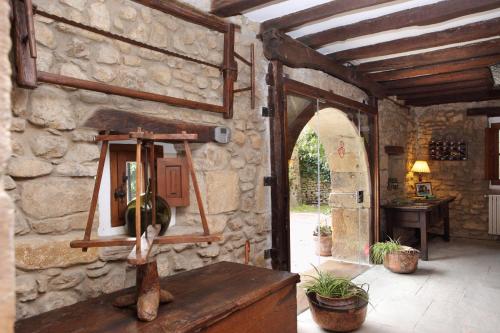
{"x":490,"y":112}
{"x":418,"y":16}
{"x":454,"y":98}
{"x":278,"y":46}
{"x":227,"y":8}
{"x":486,"y":83}
{"x":439,"y":93}
{"x":394,"y":150}
{"x":129,"y":241}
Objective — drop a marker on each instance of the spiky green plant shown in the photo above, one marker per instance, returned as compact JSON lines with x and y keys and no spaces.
{"x":380,"y":249}
{"x":327,"y":285}
{"x":324,"y":230}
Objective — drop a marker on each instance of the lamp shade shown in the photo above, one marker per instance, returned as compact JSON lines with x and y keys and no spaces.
{"x":421,"y":167}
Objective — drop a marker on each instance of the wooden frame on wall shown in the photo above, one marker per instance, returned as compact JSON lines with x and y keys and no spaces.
{"x":29,"y":77}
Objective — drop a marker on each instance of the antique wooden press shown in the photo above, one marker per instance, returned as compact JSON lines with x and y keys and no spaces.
{"x":148,"y":294}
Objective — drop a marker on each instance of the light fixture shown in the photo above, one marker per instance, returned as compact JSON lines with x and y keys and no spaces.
{"x":420,"y":167}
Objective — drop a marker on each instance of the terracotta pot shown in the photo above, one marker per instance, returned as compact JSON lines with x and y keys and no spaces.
{"x":336,"y":302}
{"x":338,"y":319}
{"x":323,"y":245}
{"x":404,"y":261}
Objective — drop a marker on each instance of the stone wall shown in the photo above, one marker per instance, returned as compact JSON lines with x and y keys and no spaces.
{"x":50,"y":173}
{"x":463,"y":179}
{"x":309,"y":191}
{"x":7,"y":271}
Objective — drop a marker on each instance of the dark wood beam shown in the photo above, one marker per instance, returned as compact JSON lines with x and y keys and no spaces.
{"x":446,"y":67}
{"x":278,"y":46}
{"x":489,"y":112}
{"x":460,"y":34}
{"x":419,"y":16}
{"x":454,"y":98}
{"x":226,"y":8}
{"x":439,"y":93}
{"x":294,"y":20}
{"x":427,"y":58}
{"x":484,"y":83}
{"x":187,"y":13}
{"x":468,"y":75}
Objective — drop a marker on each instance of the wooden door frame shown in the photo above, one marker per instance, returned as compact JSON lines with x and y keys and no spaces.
{"x":279,"y":87}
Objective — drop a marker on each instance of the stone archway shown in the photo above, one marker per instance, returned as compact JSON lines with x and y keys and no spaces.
{"x":348,"y":161}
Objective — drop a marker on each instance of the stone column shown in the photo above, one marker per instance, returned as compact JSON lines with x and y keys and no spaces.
{"x":7,"y":279}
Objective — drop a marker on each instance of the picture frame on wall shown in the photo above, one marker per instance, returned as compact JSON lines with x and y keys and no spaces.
{"x":423,"y":189}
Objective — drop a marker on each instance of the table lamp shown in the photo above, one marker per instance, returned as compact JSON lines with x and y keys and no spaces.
{"x":420,"y":167}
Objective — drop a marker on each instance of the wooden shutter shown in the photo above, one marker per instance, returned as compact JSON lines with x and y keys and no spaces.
{"x":491,"y":154}
{"x":173,"y":181}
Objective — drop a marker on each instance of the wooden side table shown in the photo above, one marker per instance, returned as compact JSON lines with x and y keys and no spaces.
{"x":419,"y":215}
{"x":220,"y":298}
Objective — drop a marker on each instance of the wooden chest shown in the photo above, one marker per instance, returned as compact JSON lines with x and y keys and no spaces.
{"x":223,"y":297}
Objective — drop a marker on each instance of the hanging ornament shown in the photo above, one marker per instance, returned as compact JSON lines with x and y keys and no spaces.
{"x":341,"y":149}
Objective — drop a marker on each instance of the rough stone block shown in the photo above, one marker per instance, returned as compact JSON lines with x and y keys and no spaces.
{"x":223,"y":192}
{"x":26,"y":167}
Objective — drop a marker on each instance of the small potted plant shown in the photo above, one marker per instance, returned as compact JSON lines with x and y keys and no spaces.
{"x":322,"y":236}
{"x":396,"y":257}
{"x":336,"y":304}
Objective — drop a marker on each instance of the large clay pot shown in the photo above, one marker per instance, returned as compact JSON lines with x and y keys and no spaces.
{"x":404,"y":261}
{"x":338,"y":319}
{"x":323,"y":245}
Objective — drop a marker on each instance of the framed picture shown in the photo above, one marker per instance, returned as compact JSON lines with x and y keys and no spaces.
{"x":423,"y":189}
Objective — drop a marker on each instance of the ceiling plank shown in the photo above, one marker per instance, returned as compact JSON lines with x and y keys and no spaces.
{"x":227,"y":8}
{"x":489,"y":111}
{"x":468,"y":75}
{"x":434,"y":94}
{"x":484,"y":83}
{"x":471,"y":97}
{"x":419,"y":16}
{"x":428,"y":58}
{"x":465,"y":33}
{"x":294,"y":20}
{"x":278,"y":46}
{"x":445,"y":67}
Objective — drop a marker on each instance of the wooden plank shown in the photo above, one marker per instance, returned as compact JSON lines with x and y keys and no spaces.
{"x":439,"y":93}
{"x":489,"y":111}
{"x":445,"y":67}
{"x":147,"y":239}
{"x":138,"y":193}
{"x":129,"y":241}
{"x":226,"y":8}
{"x":278,"y":46}
{"x":486,"y":83}
{"x":187,"y":13}
{"x":419,"y":16}
{"x":118,"y":121}
{"x":202,"y":297}
{"x":126,"y":92}
{"x":468,"y":75}
{"x":295,"y":87}
{"x":230,"y":72}
{"x":25,"y":63}
{"x":428,"y":58}
{"x":461,"y":34}
{"x":472,"y":97}
{"x":294,"y":20}
{"x":197,"y":192}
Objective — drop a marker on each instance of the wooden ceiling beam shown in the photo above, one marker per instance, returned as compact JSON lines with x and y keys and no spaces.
{"x":419,"y":16}
{"x":445,"y":67}
{"x":465,"y":33}
{"x":294,"y":20}
{"x":428,"y":58}
{"x":278,"y":46}
{"x":454,"y":98}
{"x":490,"y":112}
{"x":468,"y":75}
{"x":483,"y":83}
{"x":440,"y":93}
{"x":227,"y":8}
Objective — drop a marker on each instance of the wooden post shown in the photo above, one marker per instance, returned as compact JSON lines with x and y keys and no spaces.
{"x":138,"y":176}
{"x":148,"y":291}
{"x":230,"y":71}
{"x":375,"y":174}
{"x":25,"y":62}
{"x":152,"y":169}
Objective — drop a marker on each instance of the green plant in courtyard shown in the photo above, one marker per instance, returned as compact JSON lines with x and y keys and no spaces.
{"x":307,"y":146}
{"x":322,"y":230}
{"x":380,"y":249}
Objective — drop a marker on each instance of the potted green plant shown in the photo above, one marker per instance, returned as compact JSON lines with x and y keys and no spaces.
{"x":322,"y":236}
{"x":336,"y":304}
{"x":396,"y":257}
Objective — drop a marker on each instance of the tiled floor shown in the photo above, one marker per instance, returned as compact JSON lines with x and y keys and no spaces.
{"x":456,"y":291}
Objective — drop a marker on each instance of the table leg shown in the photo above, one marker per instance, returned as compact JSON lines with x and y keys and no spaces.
{"x":423,"y":217}
{"x":446,"y":220}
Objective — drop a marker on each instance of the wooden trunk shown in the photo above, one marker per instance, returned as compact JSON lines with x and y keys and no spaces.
{"x":223,"y":297}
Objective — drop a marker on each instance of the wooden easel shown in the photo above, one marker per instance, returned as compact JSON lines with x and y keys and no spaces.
{"x":148,"y":294}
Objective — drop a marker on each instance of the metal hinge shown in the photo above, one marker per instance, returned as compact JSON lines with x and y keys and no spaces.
{"x":267,"y":111}
{"x":269,"y":181}
{"x":270,"y":253}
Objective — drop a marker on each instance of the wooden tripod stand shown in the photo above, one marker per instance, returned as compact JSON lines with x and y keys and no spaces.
{"x":148,"y":294}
